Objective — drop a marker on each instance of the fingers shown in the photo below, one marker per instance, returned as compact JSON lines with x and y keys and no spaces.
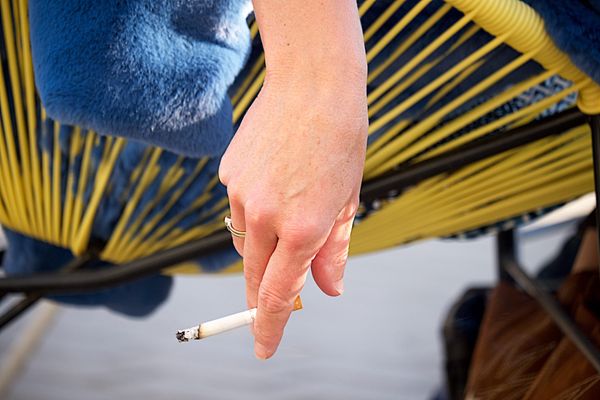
{"x":329,"y":264}
{"x":236,"y":205}
{"x":260,"y":243}
{"x":237,"y":220}
{"x":282,"y":282}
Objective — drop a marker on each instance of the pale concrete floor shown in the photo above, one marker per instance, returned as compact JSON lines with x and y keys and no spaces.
{"x":380,"y":340}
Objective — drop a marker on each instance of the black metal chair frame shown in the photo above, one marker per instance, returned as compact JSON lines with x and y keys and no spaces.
{"x":73,"y":278}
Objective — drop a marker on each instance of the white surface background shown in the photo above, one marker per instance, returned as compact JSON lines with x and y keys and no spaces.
{"x":380,"y":340}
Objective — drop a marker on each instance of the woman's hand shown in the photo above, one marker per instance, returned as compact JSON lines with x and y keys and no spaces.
{"x":294,"y":168}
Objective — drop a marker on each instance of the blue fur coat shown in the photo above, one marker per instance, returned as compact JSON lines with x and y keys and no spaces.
{"x":150,"y":70}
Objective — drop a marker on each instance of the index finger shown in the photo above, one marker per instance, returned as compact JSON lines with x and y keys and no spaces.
{"x":282,"y":282}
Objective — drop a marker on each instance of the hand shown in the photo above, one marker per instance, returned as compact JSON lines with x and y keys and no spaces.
{"x":293,"y":173}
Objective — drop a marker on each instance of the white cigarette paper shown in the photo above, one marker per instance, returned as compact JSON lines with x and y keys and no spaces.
{"x":224,"y":324}
{"x":217,"y":326}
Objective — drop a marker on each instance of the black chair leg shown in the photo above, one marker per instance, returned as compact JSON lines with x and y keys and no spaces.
{"x":509,"y":269}
{"x":595,"y":126}
{"x":554,"y":309}
{"x":506,"y":251}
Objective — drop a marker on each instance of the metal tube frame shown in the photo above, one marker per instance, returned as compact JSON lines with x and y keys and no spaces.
{"x":554,"y":309}
{"x":24,"y":304}
{"x":506,"y":250}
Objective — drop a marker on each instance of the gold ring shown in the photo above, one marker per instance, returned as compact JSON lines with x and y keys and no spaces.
{"x":230,"y":228}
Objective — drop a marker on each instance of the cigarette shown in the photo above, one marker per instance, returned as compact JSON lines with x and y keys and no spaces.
{"x":217,"y":326}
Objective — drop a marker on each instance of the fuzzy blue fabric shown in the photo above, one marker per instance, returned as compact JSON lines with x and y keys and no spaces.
{"x":150,"y":70}
{"x":574,"y":26}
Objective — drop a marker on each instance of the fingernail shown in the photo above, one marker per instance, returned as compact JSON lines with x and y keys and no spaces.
{"x":260,"y":351}
{"x":339,"y":286}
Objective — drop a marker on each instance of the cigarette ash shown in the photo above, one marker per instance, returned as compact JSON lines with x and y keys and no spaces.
{"x":180,"y":335}
{"x":188,"y":334}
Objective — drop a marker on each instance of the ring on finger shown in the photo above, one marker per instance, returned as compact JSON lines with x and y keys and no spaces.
{"x":234,"y":232}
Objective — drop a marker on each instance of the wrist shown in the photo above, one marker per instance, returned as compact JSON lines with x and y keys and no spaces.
{"x":318,"y":78}
{"x":312,"y":41}
{"x":321,"y":65}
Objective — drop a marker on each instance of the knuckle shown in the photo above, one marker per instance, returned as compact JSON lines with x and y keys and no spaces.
{"x":352,"y":208}
{"x":257,"y":212}
{"x":234,"y":195}
{"x":272,"y":302}
{"x":298,"y":240}
{"x":224,"y":174}
{"x":306,"y":235}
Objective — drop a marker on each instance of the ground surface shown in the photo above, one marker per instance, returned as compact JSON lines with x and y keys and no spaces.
{"x":380,"y":340}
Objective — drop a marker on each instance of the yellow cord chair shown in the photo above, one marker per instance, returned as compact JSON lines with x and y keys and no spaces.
{"x":542,"y":174}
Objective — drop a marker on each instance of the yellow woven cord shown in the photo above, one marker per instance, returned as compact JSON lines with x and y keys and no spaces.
{"x":149,"y":239}
{"x":137,"y":236}
{"x":56,"y":188}
{"x":15,"y":189}
{"x":490,"y":180}
{"x":84,"y":176}
{"x":526,"y":34}
{"x":172,"y":177}
{"x":253,"y":29}
{"x":21,"y":129}
{"x":396,"y":29}
{"x":418,"y":33}
{"x":382,"y":19}
{"x":376,"y":106}
{"x":472,"y":115}
{"x":167,"y":234}
{"x":67,"y":225}
{"x":364,"y":7}
{"x":46,"y":197}
{"x":29,"y":89}
{"x":149,"y":175}
{"x":525,"y":114}
{"x":391,"y":154}
{"x":522,"y":180}
{"x":483,"y":192}
{"x":421,"y":56}
{"x":257,"y":68}
{"x":247,"y":98}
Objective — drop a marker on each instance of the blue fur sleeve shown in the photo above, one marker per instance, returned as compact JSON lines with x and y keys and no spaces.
{"x":150,"y":70}
{"x":574,"y":26}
